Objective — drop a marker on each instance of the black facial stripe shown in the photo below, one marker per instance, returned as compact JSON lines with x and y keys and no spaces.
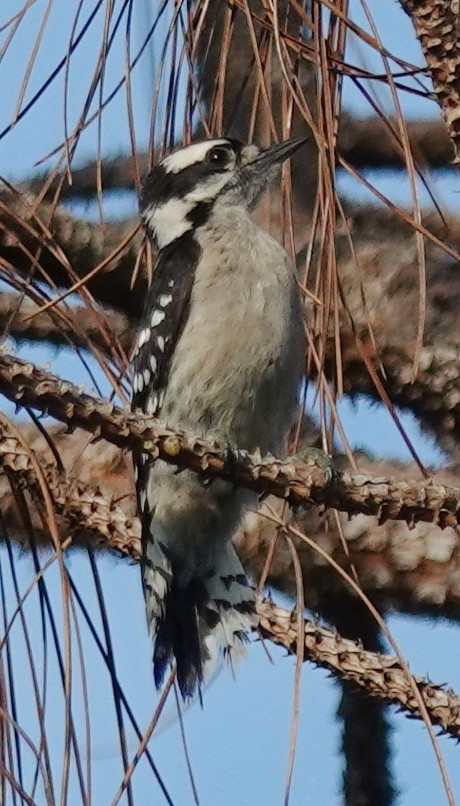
{"x":161,"y":186}
{"x":199,"y":215}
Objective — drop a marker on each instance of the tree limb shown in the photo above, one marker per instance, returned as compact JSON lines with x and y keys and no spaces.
{"x":366,"y":144}
{"x":79,"y":327}
{"x":298,"y":483}
{"x":379,"y":675}
{"x":433,"y":395}
{"x":59,"y":249}
{"x":436,"y":24}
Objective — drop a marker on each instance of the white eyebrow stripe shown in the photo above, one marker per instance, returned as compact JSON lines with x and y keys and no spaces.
{"x":189,"y":155}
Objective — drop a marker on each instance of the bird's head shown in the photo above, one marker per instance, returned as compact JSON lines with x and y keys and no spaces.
{"x":180,"y":192}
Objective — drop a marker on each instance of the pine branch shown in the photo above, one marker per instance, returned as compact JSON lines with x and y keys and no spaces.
{"x":409,"y":570}
{"x":364,"y":144}
{"x":433,"y":396}
{"x":78,"y":326}
{"x":298,"y":483}
{"x":436,"y":23}
{"x":61,"y":249}
{"x":379,"y":675}
{"x":92,"y":519}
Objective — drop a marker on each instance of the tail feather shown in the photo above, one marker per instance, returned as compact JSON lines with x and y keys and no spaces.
{"x":198,"y":622}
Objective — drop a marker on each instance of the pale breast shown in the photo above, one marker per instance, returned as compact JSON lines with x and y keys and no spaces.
{"x":237,"y":368}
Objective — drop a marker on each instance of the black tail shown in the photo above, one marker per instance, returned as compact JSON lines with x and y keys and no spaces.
{"x":196,"y":624}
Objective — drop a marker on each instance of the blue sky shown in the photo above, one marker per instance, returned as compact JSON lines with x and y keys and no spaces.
{"x":239,"y":742}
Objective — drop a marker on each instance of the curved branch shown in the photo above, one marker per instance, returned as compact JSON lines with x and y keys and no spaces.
{"x":437,"y":27}
{"x":366,"y":144}
{"x":298,"y":483}
{"x":19,"y":319}
{"x":60,"y":248}
{"x":379,"y":675}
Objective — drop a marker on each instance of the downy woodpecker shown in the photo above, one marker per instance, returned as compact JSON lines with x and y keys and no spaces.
{"x":220,"y":352}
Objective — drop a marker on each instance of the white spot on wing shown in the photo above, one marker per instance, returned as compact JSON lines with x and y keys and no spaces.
{"x":144,"y":336}
{"x":157,"y":317}
{"x":146,"y":376}
{"x":161,"y":343}
{"x":190,"y":155}
{"x":153,"y":364}
{"x":152,"y":404}
{"x":165,"y":299}
{"x":140,"y":382}
{"x":160,"y":585}
{"x":171,"y":283}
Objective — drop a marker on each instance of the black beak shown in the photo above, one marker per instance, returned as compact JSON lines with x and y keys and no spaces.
{"x":257,"y":174}
{"x":279,"y":152}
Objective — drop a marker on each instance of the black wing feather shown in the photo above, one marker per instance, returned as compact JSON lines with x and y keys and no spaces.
{"x":173,"y":278}
{"x":172,"y":282}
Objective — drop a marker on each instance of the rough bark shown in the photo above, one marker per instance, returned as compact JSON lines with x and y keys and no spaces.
{"x":436,"y":23}
{"x":299,"y":483}
{"x":365,"y":144}
{"x":87,"y":512}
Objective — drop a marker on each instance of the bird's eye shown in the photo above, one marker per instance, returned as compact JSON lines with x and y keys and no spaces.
{"x":219,"y":157}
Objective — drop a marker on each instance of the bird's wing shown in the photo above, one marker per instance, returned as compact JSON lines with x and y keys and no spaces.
{"x":165,"y":315}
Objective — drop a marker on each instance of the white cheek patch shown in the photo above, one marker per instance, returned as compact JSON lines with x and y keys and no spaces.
{"x":189,"y":155}
{"x":169,"y":221}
